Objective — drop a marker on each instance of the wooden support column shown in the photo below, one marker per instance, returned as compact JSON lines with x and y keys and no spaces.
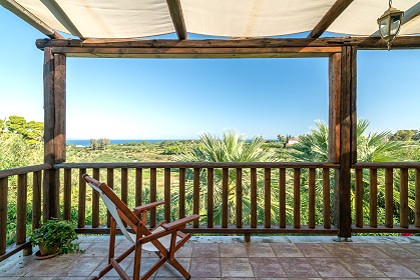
{"x":342,"y":133}
{"x":54,"y":128}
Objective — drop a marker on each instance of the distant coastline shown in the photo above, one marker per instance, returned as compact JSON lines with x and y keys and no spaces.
{"x":86,"y":142}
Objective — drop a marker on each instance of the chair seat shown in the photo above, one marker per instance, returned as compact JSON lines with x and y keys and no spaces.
{"x":165,"y":240}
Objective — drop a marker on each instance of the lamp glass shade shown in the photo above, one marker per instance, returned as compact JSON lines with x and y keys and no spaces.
{"x":395,"y":25}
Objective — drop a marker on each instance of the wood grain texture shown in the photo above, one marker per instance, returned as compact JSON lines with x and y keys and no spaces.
{"x":373,"y":197}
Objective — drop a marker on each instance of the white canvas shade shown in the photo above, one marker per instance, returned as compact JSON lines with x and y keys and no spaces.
{"x":233,"y":18}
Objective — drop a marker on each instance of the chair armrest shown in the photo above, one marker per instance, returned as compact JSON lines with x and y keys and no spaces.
{"x":180,"y":223}
{"x":148,"y":206}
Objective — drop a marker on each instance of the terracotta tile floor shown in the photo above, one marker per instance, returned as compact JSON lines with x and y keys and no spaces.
{"x":213,"y":258}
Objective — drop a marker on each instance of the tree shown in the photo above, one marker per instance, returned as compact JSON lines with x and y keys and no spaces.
{"x":416,"y":137}
{"x":102,"y":143}
{"x":312,"y":147}
{"x":31,"y":131}
{"x":403,"y":135}
{"x":93,"y":144}
{"x":283,"y":139}
{"x":15,"y":151}
{"x":34,"y":132}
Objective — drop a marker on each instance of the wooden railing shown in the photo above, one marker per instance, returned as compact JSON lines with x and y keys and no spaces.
{"x":235,"y":198}
{"x":231,"y":198}
{"x":396,"y":187}
{"x":18,"y":177}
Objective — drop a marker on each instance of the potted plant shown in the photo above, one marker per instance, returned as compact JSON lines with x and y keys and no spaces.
{"x":54,"y":238}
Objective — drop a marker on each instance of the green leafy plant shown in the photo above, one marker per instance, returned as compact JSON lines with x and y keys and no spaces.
{"x":55,"y":237}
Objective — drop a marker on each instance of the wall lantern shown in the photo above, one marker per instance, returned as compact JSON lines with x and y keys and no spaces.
{"x":389,"y":24}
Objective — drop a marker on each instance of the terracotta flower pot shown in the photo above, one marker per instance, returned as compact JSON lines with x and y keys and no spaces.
{"x":45,"y":253}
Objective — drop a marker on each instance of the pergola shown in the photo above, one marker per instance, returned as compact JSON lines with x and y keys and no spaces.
{"x":244,"y":28}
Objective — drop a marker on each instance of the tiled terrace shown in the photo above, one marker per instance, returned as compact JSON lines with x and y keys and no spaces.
{"x":212,"y":258}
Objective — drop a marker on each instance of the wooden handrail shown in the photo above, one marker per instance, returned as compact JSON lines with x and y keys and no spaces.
{"x":24,"y":170}
{"x":198,"y":165}
{"x":408,"y":164}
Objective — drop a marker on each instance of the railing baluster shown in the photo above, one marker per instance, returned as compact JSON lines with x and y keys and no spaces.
{"x":124,"y":185}
{"x":139,"y":186}
{"x":181,"y":193}
{"x":210,"y":202}
{"x":311,"y":197}
{"x":239,"y":197}
{"x":225,"y":189}
{"x":196,"y":204}
{"x":282,"y":196}
{"x":359,"y":198}
{"x":326,"y":197}
{"x":153,"y":196}
{"x":373,"y":197}
{"x":82,"y":199}
{"x":389,"y":195}
{"x":67,"y":193}
{"x":417,"y":191}
{"x":22,"y":195}
{"x":36,"y":199}
{"x":253,"y":197}
{"x":95,"y":201}
{"x":110,"y":183}
{"x":296,"y":197}
{"x":4,"y":188}
{"x":404,"y":197}
{"x":167,"y":193}
{"x":267,"y":197}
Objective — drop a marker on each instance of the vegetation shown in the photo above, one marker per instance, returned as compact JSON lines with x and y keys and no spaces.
{"x":55,"y":237}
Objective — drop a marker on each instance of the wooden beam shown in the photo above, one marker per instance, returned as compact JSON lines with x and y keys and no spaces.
{"x":364,"y":43}
{"x":30,"y":18}
{"x":333,"y":13}
{"x":197,"y":52}
{"x":411,"y":14}
{"x":175,"y":10}
{"x":62,"y":17}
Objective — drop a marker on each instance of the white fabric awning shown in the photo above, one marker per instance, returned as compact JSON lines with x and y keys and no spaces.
{"x":232,"y":18}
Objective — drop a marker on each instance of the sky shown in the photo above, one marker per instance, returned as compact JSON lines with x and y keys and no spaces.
{"x":183,"y":98}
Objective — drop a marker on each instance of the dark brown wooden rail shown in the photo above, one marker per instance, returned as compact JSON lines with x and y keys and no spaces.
{"x":388,"y":184}
{"x":232,"y":198}
{"x":246,"y":196}
{"x":16,"y":179}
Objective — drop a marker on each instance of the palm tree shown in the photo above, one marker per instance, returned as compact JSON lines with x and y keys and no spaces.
{"x":231,"y":148}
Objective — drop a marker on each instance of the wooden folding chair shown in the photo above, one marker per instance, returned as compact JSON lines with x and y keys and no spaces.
{"x":164,"y":240}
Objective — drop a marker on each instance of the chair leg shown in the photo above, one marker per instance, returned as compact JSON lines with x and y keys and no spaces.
{"x":180,"y":268}
{"x":137,"y":262}
{"x":153,"y":269}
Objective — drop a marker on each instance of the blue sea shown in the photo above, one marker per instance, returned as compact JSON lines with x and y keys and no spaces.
{"x":86,"y":142}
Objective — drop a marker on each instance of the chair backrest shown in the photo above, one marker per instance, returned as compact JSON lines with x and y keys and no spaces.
{"x":116,"y":207}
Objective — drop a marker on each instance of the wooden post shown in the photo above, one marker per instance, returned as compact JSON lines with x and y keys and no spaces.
{"x":342,"y":124}
{"x":54,"y":128}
